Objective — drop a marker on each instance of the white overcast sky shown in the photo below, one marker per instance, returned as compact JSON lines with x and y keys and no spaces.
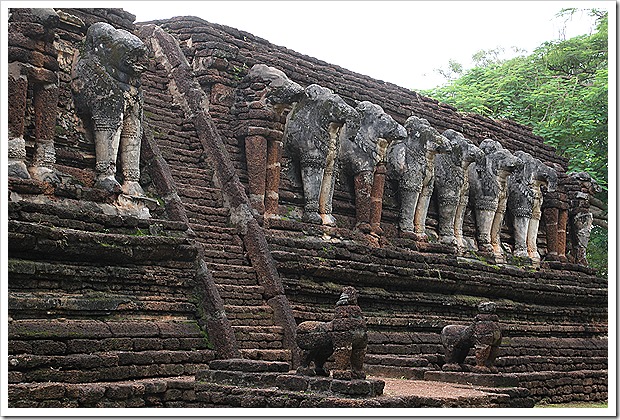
{"x":401,"y":42}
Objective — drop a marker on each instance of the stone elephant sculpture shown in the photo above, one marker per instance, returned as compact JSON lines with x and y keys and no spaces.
{"x":312,"y":138}
{"x":488,"y":194}
{"x":263,"y":99}
{"x":108,"y":94}
{"x":412,"y":163}
{"x":580,"y":215}
{"x":525,"y":198}
{"x":483,"y":334}
{"x":364,"y":156}
{"x":452,"y":186}
{"x":345,"y":337}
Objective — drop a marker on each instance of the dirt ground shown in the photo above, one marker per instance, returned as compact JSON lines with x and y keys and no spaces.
{"x":406,"y":387}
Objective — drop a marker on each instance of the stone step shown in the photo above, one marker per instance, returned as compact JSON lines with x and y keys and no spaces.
{"x":217,"y":234}
{"x":175,"y":391}
{"x":233,"y":274}
{"x":250,"y":316}
{"x":216,"y":253}
{"x":279,"y":355}
{"x":95,"y":278}
{"x":202,"y":196}
{"x":207,"y":215}
{"x":259,"y":337}
{"x":32,"y":304}
{"x":89,"y":217}
{"x":241,"y":295}
{"x":396,"y":361}
{"x":200,"y":177}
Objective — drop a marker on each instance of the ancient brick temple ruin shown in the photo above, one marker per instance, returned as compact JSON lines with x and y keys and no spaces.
{"x":182,"y":195}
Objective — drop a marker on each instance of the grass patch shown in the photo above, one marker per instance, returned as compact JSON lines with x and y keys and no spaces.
{"x":575,"y":404}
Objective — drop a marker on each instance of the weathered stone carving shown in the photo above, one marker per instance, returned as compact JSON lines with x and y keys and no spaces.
{"x":412,"y":163}
{"x":264,"y":97}
{"x":108,"y":94}
{"x":312,"y":137}
{"x":555,"y":216}
{"x":32,"y":64}
{"x":525,"y":203}
{"x":488,"y":194}
{"x":484,"y":334}
{"x":452,"y":186}
{"x":364,"y":156}
{"x":345,"y":337}
{"x":580,"y":215}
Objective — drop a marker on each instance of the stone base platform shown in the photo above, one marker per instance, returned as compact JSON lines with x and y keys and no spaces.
{"x":470,"y":378}
{"x":353,"y":388}
{"x":500,"y":383}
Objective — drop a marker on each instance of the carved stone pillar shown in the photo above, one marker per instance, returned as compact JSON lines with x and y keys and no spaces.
{"x":33,"y":63}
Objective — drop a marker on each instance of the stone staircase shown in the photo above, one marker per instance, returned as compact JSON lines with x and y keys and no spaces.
{"x":251,"y":317}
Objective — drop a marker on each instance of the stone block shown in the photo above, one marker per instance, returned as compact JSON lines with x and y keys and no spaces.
{"x":248,"y":365}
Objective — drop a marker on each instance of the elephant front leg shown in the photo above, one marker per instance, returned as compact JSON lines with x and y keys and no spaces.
{"x":496,"y":243}
{"x":363,"y":190}
{"x":446,"y":220}
{"x":459,"y":217}
{"x":521,"y":224}
{"x":312,"y":178}
{"x":131,"y":139}
{"x":272,"y":178}
{"x":256,"y":159}
{"x":532,"y":236}
{"x":44,"y":158}
{"x":107,"y":141}
{"x":409,"y":200}
{"x":484,"y":221}
{"x":421,"y":211}
{"x":550,"y":218}
{"x":376,"y":200}
{"x":327,"y":186}
{"x":17,"y":94}
{"x":562,"y":223}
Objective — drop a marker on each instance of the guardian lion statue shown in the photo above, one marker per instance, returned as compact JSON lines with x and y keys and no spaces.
{"x":108,"y":95}
{"x":312,"y":138}
{"x":483,"y":334}
{"x":412,"y":164}
{"x":345,"y":337}
{"x":364,"y":156}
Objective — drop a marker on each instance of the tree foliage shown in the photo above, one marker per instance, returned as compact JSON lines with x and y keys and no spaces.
{"x":560,"y":90}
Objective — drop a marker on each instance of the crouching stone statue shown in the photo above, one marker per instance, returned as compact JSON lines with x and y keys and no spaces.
{"x":483,"y":334}
{"x":363,"y":156}
{"x":412,"y":164}
{"x":108,"y":94}
{"x":489,"y":194}
{"x":525,"y":203}
{"x":345,"y":337}
{"x":452,"y":186}
{"x":312,"y":137}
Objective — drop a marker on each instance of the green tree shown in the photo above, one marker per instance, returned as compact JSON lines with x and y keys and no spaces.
{"x":560,"y":90}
